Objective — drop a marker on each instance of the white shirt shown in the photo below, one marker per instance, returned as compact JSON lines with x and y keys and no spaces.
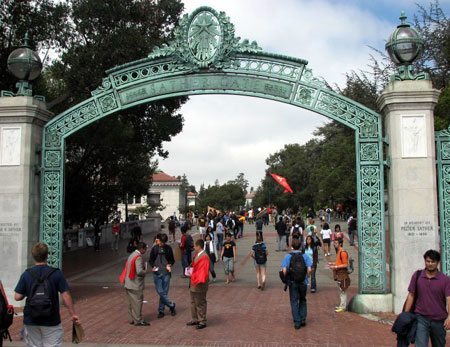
{"x":326,"y":233}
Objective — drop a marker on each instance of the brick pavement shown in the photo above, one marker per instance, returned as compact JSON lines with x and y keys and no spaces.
{"x":238,"y":314}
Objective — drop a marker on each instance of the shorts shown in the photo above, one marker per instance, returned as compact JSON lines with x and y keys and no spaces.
{"x":228,"y":265}
{"x":259,"y":265}
{"x":41,"y":336}
{"x":327,"y":241}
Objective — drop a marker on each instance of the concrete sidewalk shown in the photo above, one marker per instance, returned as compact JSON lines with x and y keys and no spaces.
{"x":238,"y":313}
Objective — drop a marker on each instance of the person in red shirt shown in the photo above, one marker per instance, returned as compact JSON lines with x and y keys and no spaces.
{"x":199,"y":285}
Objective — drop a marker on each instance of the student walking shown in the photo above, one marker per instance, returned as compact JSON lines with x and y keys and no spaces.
{"x":259,"y":254}
{"x":115,"y":229}
{"x":312,"y":251}
{"x":295,"y":267}
{"x":161,"y":262}
{"x":429,"y":298}
{"x":281,"y":229}
{"x":228,"y":256}
{"x":326,"y":238}
{"x":211,"y":251}
{"x":43,"y":328}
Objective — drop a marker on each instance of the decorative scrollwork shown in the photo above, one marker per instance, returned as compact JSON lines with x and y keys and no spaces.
{"x":106,"y":85}
{"x":305,"y":95}
{"x":53,"y":159}
{"x":372,"y":253}
{"x":108,"y":103}
{"x":369,"y":152}
{"x":69,"y":121}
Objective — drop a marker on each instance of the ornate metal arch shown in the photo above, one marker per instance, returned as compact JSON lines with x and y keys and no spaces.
{"x":206,"y":57}
{"x":443,"y":170}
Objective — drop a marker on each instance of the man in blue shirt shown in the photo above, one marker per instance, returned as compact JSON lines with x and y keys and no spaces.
{"x":44,"y":331}
{"x":297,"y":291}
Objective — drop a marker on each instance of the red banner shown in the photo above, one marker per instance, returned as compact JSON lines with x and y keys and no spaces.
{"x":282,"y":182}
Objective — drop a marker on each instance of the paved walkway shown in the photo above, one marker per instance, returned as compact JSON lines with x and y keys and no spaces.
{"x":238,"y":313}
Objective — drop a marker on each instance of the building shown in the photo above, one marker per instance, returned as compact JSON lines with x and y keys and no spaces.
{"x":191,"y":200}
{"x":172,"y":195}
{"x":249,"y":199}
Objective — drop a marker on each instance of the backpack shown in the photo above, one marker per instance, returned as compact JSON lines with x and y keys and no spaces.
{"x":297,"y":268}
{"x":40,"y":304}
{"x":230,"y":223}
{"x":260,"y":255}
{"x":6,"y":316}
{"x":131,"y":247}
{"x":259,"y":224}
{"x":189,"y":243}
{"x":350,"y":267}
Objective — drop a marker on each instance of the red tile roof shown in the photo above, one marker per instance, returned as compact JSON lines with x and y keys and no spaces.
{"x":163,"y":177}
{"x":191,"y":194}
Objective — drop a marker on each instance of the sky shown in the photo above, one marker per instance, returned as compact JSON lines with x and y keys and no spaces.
{"x":224,"y":135}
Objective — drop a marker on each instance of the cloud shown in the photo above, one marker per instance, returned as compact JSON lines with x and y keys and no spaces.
{"x":225,"y":135}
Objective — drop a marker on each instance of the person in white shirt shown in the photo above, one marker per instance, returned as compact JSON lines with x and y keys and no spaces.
{"x":326,"y":238}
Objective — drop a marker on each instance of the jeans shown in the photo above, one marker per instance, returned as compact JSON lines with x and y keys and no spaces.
{"x":351,"y":236}
{"x":297,"y":295}
{"x":115,"y":242}
{"x":428,"y":329}
{"x":281,"y":240}
{"x":219,"y":243}
{"x":313,"y":278}
{"x":186,"y":259}
{"x":162,"y":282}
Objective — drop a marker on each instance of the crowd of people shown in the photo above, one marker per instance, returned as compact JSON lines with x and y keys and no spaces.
{"x":301,"y":239}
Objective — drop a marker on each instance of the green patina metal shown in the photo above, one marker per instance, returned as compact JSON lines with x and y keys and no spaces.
{"x":206,"y":57}
{"x":443,"y":169}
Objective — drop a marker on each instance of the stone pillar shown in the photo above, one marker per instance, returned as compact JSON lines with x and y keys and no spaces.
{"x":407,"y":107}
{"x":21,"y":122}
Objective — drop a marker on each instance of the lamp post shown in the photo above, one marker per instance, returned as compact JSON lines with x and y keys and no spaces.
{"x":405,"y":46}
{"x":26,"y":66}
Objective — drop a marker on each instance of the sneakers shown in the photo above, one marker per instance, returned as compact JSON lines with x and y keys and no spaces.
{"x":313,"y":290}
{"x":200,"y":326}
{"x":303,"y":323}
{"x":142,"y":323}
{"x":340,"y":309}
{"x":173,"y":312}
{"x":160,"y":314}
{"x":297,"y":326}
{"x":191,"y":323}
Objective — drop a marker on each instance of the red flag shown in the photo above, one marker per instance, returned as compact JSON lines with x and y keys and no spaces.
{"x":282,"y":182}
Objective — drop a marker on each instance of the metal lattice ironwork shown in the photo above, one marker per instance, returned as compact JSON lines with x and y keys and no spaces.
{"x":443,"y":169}
{"x":205,"y":57}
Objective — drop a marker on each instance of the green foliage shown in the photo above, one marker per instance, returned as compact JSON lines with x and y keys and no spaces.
{"x":241,"y":181}
{"x":229,"y":196}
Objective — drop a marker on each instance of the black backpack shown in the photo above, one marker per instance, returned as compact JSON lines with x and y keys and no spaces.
{"x":6,"y":318}
{"x":297,"y":268}
{"x":260,"y":255}
{"x":39,"y":304}
{"x":189,"y":245}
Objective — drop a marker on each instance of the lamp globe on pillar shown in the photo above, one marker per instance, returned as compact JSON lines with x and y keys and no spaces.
{"x":26,"y":66}
{"x":405,"y":46}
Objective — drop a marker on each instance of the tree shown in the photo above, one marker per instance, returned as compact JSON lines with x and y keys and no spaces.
{"x":112,"y":157}
{"x":240,"y":181}
{"x":229,"y":196}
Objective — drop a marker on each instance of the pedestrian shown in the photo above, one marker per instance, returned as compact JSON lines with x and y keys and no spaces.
{"x":228,"y":256}
{"x":202,"y":225}
{"x":211,"y":250}
{"x":429,"y":293}
{"x":312,"y":251}
{"x":133,"y":275}
{"x":97,"y":236}
{"x":259,"y":253}
{"x":326,"y":238}
{"x":340,"y":274}
{"x":199,"y":286}
{"x":296,"y":267}
{"x":42,"y":327}
{"x":220,"y":229}
{"x":186,"y":247}
{"x":352,"y":228}
{"x":115,"y":229}
{"x":281,"y":229}
{"x":136,"y":233}
{"x":328,"y":215}
{"x":259,"y":227}
{"x":161,"y":262}
{"x":172,"y":227}
{"x":337,"y":234}
{"x":240,"y":224}
{"x":297,"y":230}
